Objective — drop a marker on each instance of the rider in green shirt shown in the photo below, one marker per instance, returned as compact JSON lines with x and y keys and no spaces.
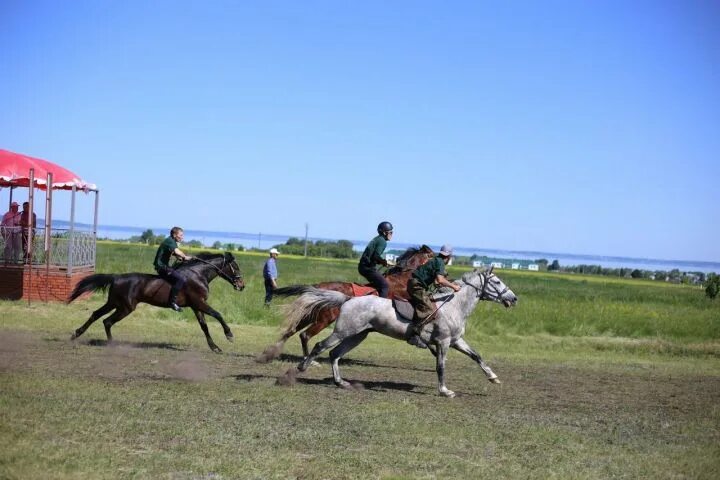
{"x":372,"y":257}
{"x":423,"y":279}
{"x":167,"y":249}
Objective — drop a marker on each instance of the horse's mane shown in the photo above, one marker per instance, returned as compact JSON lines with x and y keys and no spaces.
{"x":402,"y":261}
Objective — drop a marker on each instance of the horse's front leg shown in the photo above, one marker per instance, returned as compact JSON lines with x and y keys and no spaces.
{"x":201,"y":320}
{"x":203,"y":306}
{"x":462,"y":346}
{"x":442,"y":349}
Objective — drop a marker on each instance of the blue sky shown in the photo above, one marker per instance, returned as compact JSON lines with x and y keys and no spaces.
{"x":577,"y":127}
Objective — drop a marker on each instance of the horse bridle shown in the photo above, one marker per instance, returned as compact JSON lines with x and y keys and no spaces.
{"x":486,"y":278}
{"x":232,"y":280}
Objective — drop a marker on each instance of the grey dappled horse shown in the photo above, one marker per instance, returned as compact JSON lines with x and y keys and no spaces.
{"x":361,"y":315}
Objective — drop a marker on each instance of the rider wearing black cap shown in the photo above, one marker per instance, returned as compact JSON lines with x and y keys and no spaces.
{"x":372,"y":256}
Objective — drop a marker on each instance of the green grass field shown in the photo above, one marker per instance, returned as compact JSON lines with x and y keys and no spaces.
{"x":602,"y":378}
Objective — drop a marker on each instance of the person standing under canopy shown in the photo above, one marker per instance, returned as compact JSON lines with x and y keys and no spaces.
{"x":167,"y":249}
{"x":10,"y":229}
{"x":28,"y":225}
{"x":373,"y":256}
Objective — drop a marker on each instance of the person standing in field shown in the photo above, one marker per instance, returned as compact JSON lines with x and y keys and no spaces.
{"x":423,"y":280}
{"x":10,"y":229}
{"x":270,"y":274}
{"x":373,"y":256}
{"x":168,"y":248}
{"x":27,"y":226}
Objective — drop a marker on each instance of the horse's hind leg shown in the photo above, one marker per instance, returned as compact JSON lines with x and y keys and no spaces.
{"x":320,"y":347}
{"x":105,"y":309}
{"x":117,"y":315}
{"x":462,"y":346}
{"x":201,"y":320}
{"x":326,"y":318}
{"x":340,"y":351}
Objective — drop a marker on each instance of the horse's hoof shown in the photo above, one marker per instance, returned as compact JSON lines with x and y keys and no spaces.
{"x":447,"y":393}
{"x":314,"y":364}
{"x":345,"y":385}
{"x":495,"y":380}
{"x":216,"y":349}
{"x":230,"y":338}
{"x":73,"y":336}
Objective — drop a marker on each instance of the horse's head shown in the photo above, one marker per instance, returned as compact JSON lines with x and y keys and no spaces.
{"x":232,"y":270}
{"x":490,"y":287}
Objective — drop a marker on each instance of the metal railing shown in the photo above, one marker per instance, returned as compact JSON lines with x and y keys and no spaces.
{"x":66,"y":248}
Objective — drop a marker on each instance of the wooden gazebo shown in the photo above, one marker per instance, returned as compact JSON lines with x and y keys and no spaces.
{"x":43,"y":263}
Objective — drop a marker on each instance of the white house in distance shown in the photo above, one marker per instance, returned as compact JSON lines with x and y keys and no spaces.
{"x":533,"y":267}
{"x":515,"y":266}
{"x":390,"y":257}
{"x":477,"y":264}
{"x":496,"y":265}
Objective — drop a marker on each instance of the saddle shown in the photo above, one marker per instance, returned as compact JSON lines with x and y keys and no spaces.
{"x":361,"y":290}
{"x":406,"y":310}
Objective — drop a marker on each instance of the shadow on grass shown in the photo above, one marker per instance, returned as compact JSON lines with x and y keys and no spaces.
{"x":143,"y":345}
{"x":376,"y":386}
{"x":286,"y":357}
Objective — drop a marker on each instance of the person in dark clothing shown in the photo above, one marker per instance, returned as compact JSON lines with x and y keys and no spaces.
{"x":167,"y":249}
{"x":270,"y":275}
{"x":372,"y":257}
{"x":28,"y":224}
{"x":420,"y":284}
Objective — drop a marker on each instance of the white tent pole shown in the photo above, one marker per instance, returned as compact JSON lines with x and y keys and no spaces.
{"x":48,"y":224}
{"x":71,"y":232}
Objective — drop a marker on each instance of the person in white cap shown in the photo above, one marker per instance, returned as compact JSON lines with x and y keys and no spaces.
{"x":10,"y":228}
{"x":270,"y":274}
{"x":424,"y":279}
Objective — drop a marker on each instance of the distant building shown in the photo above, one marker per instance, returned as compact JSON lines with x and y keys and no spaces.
{"x":533,"y":267}
{"x":515,"y":266}
{"x":496,"y":265}
{"x":390,"y":257}
{"x":477,"y":264}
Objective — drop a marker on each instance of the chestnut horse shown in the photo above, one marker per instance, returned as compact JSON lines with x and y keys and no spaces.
{"x":396,"y":276}
{"x":129,"y":289}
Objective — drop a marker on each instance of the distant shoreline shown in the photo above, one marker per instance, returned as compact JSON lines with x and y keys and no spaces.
{"x":264,"y":241}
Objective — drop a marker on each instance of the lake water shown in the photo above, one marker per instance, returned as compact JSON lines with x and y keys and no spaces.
{"x":264,"y":241}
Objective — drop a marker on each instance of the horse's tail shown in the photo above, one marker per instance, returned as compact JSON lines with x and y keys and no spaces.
{"x":312,"y":301}
{"x":291,"y":290}
{"x":93,"y":283}
{"x":302,"y":312}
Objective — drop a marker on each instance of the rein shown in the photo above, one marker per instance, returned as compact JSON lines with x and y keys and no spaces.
{"x":219,"y":270}
{"x":481,"y":291}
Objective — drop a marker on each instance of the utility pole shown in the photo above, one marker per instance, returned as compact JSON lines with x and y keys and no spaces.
{"x":306,"y":235}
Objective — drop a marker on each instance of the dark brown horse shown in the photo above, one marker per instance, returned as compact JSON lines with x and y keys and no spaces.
{"x":129,"y":289}
{"x":396,"y":276}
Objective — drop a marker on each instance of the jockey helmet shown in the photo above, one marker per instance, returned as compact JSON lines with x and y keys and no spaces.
{"x":446,"y":250}
{"x":384,"y":227}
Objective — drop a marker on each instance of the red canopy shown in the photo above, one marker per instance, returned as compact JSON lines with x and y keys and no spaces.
{"x":15,"y":172}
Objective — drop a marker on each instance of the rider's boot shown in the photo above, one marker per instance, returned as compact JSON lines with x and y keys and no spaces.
{"x":415,"y":339}
{"x":173,"y":303}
